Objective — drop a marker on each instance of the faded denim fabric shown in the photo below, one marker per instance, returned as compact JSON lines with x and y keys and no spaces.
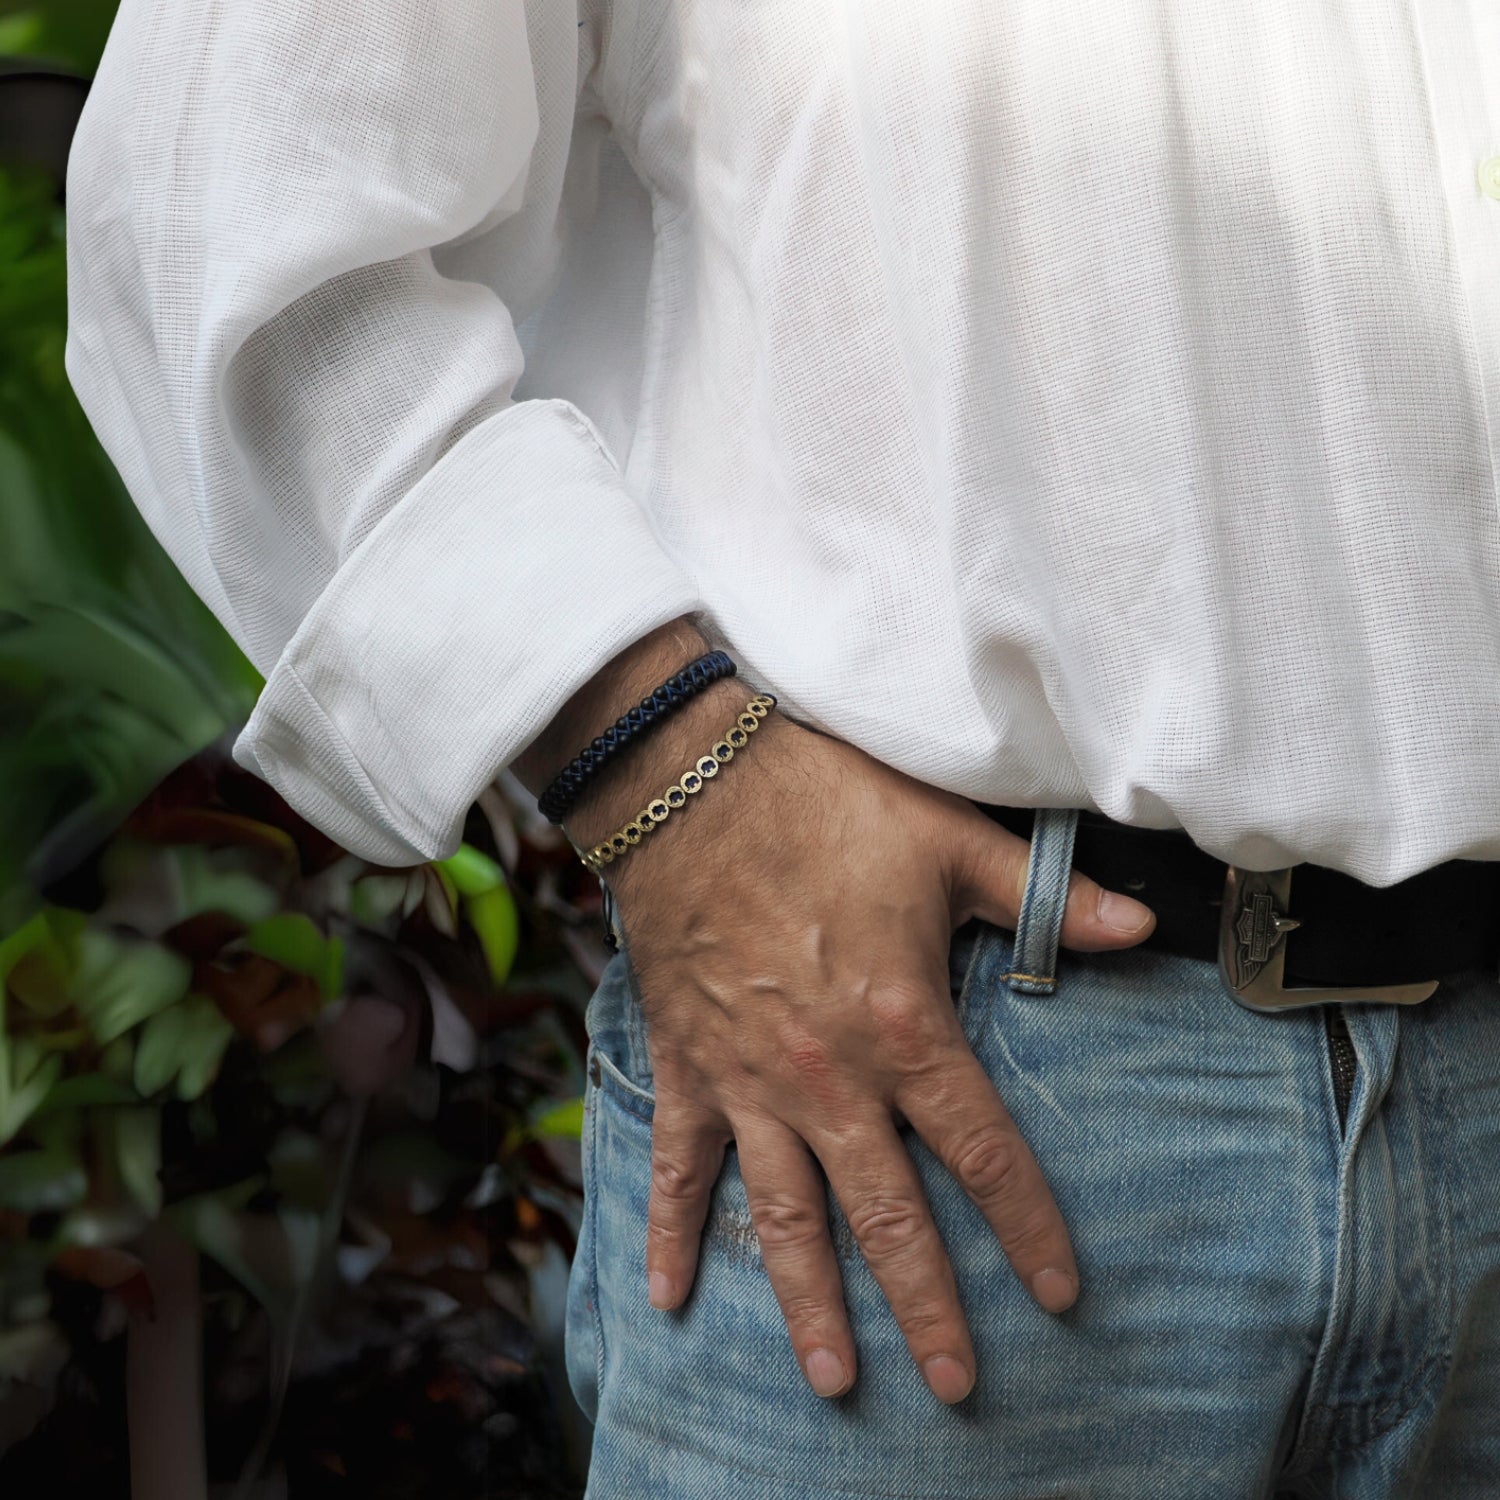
{"x":1269,"y":1307}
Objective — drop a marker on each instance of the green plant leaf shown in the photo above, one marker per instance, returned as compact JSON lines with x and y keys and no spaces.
{"x":120,"y":983}
{"x":471,"y":871}
{"x":71,"y":32}
{"x":21,"y":34}
{"x":117,"y":1060}
{"x":91,"y":650}
{"x":31,"y":935}
{"x":47,"y":1181}
{"x":374,"y":898}
{"x":565,"y":1122}
{"x":294,"y":941}
{"x":487,"y":905}
{"x":135,"y":1135}
{"x":205,"y":887}
{"x":497,"y":924}
{"x":88,"y":1091}
{"x":112,"y":671}
{"x":28,"y":1069}
{"x":269,"y":1255}
{"x":27,"y":1073}
{"x":184,"y":1043}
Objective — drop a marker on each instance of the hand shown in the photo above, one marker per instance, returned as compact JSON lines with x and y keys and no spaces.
{"x":789,"y":932}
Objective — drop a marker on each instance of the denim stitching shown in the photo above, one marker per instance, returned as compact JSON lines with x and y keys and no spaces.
{"x":982,"y":940}
{"x":1043,"y":901}
{"x":591,"y":1270}
{"x":635,"y":1019}
{"x":1375,"y":1422}
{"x":619,"y":1088}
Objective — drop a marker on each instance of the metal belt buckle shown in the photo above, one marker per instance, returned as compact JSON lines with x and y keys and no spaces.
{"x":1253,"y":925}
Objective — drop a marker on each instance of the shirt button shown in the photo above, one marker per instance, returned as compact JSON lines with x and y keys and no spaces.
{"x":1489,"y":177}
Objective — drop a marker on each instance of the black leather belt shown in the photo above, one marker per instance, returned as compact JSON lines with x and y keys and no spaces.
{"x":1321,"y":930}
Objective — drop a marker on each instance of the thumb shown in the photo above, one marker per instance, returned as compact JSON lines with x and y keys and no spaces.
{"x":990,"y":880}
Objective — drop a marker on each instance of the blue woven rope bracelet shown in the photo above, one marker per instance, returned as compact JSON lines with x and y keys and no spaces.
{"x":557,"y":801}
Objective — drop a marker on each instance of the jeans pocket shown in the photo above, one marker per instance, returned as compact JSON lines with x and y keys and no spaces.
{"x":969,"y":953}
{"x":620,"y":1051}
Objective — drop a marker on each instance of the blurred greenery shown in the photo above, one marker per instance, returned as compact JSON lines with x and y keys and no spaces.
{"x":65,"y":33}
{"x":111,"y":669}
{"x":351,"y":1090}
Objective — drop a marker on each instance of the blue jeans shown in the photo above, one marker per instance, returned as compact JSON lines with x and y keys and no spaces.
{"x":1270,"y":1304}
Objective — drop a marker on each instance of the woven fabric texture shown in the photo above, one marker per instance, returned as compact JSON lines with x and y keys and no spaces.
{"x":1072,"y":404}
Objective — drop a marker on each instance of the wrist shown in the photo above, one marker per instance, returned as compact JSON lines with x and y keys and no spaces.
{"x":623,"y":789}
{"x":620,"y":684}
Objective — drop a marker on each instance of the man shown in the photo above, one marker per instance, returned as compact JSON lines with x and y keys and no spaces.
{"x":1081,"y":407}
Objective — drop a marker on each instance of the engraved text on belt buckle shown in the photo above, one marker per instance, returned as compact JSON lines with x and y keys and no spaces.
{"x":1252,"y":949}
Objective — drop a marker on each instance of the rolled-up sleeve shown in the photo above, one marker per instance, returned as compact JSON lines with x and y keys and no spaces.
{"x":318,"y":424}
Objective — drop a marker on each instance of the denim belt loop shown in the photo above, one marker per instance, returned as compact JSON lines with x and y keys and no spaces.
{"x":1039,"y":924}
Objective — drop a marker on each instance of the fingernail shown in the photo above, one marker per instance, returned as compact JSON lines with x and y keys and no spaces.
{"x":663,"y":1293}
{"x":826,"y":1373}
{"x":1055,"y":1290}
{"x":1122,"y":913}
{"x":947,"y":1379}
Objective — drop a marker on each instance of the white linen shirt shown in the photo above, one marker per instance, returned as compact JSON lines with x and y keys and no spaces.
{"x":1070,"y":402}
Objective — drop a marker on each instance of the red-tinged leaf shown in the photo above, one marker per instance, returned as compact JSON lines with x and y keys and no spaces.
{"x":214,"y":827}
{"x":295,"y":941}
{"x":497,"y":1010}
{"x":370,"y":1043}
{"x":259,"y":998}
{"x":103,"y":1266}
{"x":202,"y":936}
{"x":246,"y":793}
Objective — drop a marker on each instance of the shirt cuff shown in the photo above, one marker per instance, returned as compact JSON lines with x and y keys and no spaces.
{"x":511,"y":573}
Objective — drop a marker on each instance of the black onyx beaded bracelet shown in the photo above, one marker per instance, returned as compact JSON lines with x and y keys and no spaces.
{"x":557,"y":801}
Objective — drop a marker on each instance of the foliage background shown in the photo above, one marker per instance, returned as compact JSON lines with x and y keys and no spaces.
{"x":337,"y":1103}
